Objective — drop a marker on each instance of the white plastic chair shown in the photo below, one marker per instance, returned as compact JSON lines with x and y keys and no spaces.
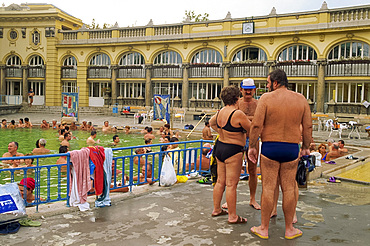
{"x":140,"y":113}
{"x":337,"y":130}
{"x":180,"y":114}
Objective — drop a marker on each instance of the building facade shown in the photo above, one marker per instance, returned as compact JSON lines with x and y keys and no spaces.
{"x":325,"y":54}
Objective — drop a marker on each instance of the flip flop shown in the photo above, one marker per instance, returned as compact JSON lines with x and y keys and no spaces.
{"x":257,"y":234}
{"x":299,"y":233}
{"x":224,"y":207}
{"x":29,"y":222}
{"x":333,"y":180}
{"x":254,"y":207}
{"x":330,"y":162}
{"x":240,"y":220}
{"x":223,"y":212}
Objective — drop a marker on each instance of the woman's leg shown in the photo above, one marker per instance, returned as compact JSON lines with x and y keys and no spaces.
{"x":233,"y":169}
{"x":219,"y":188}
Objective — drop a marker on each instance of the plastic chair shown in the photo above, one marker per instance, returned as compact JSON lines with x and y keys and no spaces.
{"x":180,"y":114}
{"x":144,"y":114}
{"x":338,"y":130}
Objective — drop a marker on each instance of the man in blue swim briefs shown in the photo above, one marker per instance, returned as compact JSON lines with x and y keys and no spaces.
{"x":279,"y":115}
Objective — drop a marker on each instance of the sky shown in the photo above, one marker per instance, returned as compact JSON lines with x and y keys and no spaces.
{"x":139,"y":12}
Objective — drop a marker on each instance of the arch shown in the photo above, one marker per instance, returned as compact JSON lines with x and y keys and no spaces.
{"x":282,"y":46}
{"x":249,"y":53}
{"x":100,"y":59}
{"x":125,"y":51}
{"x":93,"y":53}
{"x":65,"y":55}
{"x":349,"y":49}
{"x":70,"y":61}
{"x":295,"y":51}
{"x":162,"y":50}
{"x":131,"y":58}
{"x":13,"y":60}
{"x":36,"y":60}
{"x":199,"y":48}
{"x":206,"y":55}
{"x":241,"y":46}
{"x":167,"y":57}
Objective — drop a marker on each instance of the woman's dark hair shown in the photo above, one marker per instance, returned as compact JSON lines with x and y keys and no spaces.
{"x":279,"y":76}
{"x":37,"y":143}
{"x":230,"y":95}
{"x":13,"y":122}
{"x":21,"y":120}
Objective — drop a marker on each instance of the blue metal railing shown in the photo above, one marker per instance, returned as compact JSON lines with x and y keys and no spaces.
{"x":183,"y":158}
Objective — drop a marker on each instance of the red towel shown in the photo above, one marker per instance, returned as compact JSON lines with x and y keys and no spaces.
{"x":80,"y":160}
{"x":97,"y":156}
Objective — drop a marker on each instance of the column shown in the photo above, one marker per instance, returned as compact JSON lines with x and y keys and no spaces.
{"x":25,"y":84}
{"x":148,"y":85}
{"x":114,"y":84}
{"x":271,"y":65}
{"x":226,"y":74}
{"x":320,"y":98}
{"x":185,"y":85}
{"x":2,"y":81}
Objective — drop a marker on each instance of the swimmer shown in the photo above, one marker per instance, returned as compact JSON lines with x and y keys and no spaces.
{"x":115,"y":140}
{"x":83,"y":127}
{"x":149,"y":135}
{"x":41,"y":149}
{"x":12,"y":152}
{"x":12,"y":125}
{"x":3,"y":124}
{"x":27,"y":123}
{"x":127,"y":129}
{"x":106,"y":127}
{"x":91,"y":140}
{"x":44,"y":125}
{"x":67,"y":138}
{"x":21,"y":123}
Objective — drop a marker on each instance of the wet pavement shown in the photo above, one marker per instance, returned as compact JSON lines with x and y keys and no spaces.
{"x":328,"y":214}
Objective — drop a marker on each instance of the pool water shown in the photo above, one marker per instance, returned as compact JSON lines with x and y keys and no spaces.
{"x":27,"y":138}
{"x":361,"y":173}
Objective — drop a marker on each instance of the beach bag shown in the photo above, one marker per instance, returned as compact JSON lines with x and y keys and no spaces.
{"x":168,"y":174}
{"x":301,"y":173}
{"x":11,"y":203}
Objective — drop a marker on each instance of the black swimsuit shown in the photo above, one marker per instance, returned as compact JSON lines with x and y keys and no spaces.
{"x":223,"y":150}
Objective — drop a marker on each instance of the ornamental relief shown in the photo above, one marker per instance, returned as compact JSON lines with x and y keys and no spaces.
{"x":35,"y":40}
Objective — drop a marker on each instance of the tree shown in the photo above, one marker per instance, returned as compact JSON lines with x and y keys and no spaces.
{"x":195,"y":17}
{"x":96,"y":26}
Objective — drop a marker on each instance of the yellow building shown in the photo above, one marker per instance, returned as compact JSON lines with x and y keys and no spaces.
{"x":325,"y":54}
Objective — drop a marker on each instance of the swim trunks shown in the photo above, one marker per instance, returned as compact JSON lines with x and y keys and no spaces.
{"x":280,"y":151}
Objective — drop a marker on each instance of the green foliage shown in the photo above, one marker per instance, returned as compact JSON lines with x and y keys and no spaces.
{"x":94,"y":25}
{"x":195,"y":17}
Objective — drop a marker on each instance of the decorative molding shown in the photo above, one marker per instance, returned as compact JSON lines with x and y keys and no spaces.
{"x":350,"y":36}
{"x":81,"y":53}
{"x":68,"y":52}
{"x":205,"y":43}
{"x":98,"y":49}
{"x":248,"y":41}
{"x":148,"y":47}
{"x":322,"y":37}
{"x":129,"y":47}
{"x":295,"y":39}
{"x":166,"y":46}
{"x":271,"y":41}
{"x":114,"y":47}
{"x":185,"y":45}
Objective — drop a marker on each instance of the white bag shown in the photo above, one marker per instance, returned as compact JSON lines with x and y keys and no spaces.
{"x":168,"y":174}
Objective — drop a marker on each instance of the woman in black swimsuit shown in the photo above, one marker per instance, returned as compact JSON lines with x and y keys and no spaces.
{"x":232,"y":126}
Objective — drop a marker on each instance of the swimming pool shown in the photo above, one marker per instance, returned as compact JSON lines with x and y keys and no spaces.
{"x":360,"y":173}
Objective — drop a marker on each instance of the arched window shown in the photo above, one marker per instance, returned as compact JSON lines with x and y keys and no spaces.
{"x":133,"y":58}
{"x":100,"y":60}
{"x":14,"y":61}
{"x":297,"y":52}
{"x":250,"y":53}
{"x":168,"y":57}
{"x":348,"y":50}
{"x":35,"y":37}
{"x":70,"y":61}
{"x":207,"y":56}
{"x":36,"y":60}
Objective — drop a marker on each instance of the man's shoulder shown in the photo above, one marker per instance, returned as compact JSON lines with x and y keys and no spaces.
{"x":7,"y":154}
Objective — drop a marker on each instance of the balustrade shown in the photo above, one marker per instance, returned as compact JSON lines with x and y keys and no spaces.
{"x":132,"y":32}
{"x":36,"y":72}
{"x":164,"y":72}
{"x":167,"y":30}
{"x":348,"y":69}
{"x":248,"y":70}
{"x":294,"y":70}
{"x":99,"y":73}
{"x":138,"y":72}
{"x":100,"y":34}
{"x":69,"y":73}
{"x":13,"y":72}
{"x":70,"y":36}
{"x":350,"y":15}
{"x":205,"y":71}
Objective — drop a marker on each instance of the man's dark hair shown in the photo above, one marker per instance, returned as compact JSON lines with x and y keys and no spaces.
{"x":279,"y":76}
{"x":3,"y":120}
{"x":148,"y":140}
{"x":15,"y":143}
{"x":93,"y":132}
{"x":168,"y":138}
{"x":146,"y":128}
{"x":26,"y":119}
{"x":341,"y":142}
{"x":13,"y":122}
{"x":115,"y":137}
{"x":206,"y":123}
{"x":63,"y":149}
{"x":62,"y":131}
{"x":167,"y":126}
{"x":174,"y":139}
{"x":149,"y":130}
{"x":230,"y":95}
{"x":67,"y":128}
{"x":66,"y":134}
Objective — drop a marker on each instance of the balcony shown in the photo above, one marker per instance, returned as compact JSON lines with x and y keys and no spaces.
{"x":68,"y":72}
{"x":14,"y":72}
{"x":348,"y":68}
{"x":206,"y":71}
{"x":94,"y":73}
{"x":131,"y":72}
{"x":298,"y":69}
{"x":36,"y":72}
{"x":238,"y":70}
{"x":169,"y":71}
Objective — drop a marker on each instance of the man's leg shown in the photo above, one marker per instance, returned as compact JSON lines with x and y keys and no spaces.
{"x":252,"y":170}
{"x":288,"y":172}
{"x":270,"y":171}
{"x":276,"y":198}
